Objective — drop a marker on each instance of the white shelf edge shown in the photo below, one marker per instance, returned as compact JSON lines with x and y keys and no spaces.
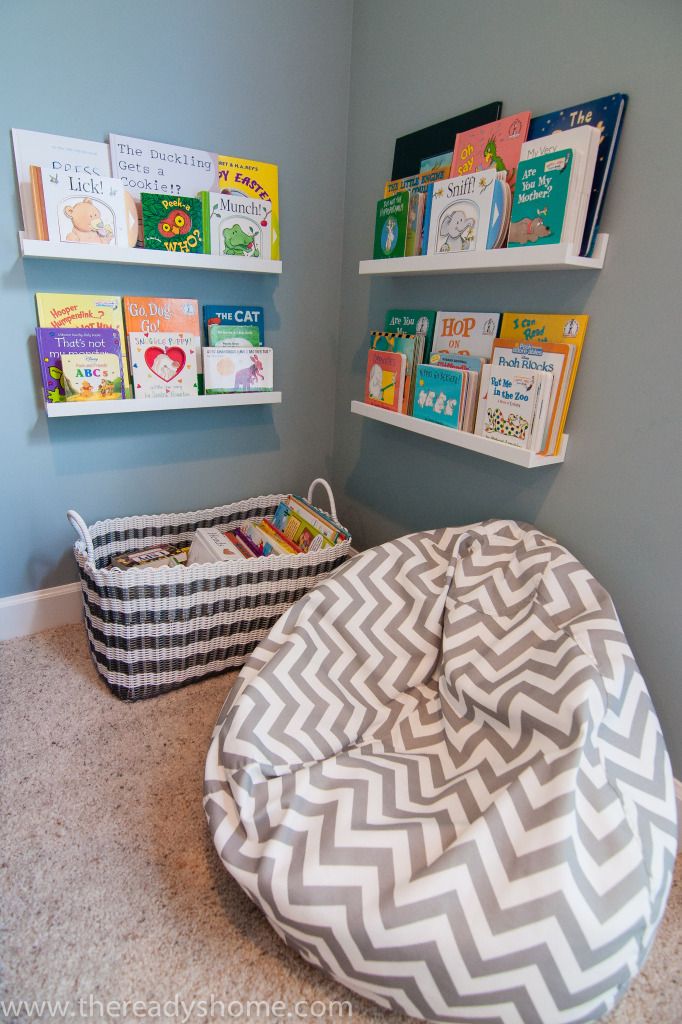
{"x":102,"y":408}
{"x":37,"y":249}
{"x":542,"y":257}
{"x":461,"y":439}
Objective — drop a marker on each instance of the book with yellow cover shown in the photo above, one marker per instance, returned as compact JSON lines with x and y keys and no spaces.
{"x":63,"y":309}
{"x":252,"y":178}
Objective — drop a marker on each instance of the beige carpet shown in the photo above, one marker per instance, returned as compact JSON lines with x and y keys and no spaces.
{"x":111,"y":889}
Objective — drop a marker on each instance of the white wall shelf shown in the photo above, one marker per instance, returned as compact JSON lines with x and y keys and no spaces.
{"x":60,"y":409}
{"x":461,"y":439}
{"x":34,"y":248}
{"x":540,"y":257}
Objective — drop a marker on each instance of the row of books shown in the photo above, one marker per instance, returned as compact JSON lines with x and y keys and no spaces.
{"x":508,"y":377}
{"x":515,"y":181}
{"x":133,"y":192}
{"x":104,"y":347}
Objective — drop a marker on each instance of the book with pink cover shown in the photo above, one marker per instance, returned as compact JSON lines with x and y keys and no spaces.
{"x":496,"y":146}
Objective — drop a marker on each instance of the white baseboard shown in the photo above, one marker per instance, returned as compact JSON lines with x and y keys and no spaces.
{"x":24,"y":614}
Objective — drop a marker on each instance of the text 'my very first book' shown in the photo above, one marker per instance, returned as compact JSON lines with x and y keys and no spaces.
{"x":495,"y":146}
{"x":56,"y":342}
{"x":385,"y":379}
{"x":151,"y":314}
{"x":235,"y":225}
{"x":468,"y":213}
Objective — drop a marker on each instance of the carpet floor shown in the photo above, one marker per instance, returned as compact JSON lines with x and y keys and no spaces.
{"x":110,"y":887}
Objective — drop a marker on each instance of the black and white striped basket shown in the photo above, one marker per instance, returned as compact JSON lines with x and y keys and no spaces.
{"x":153,"y":630}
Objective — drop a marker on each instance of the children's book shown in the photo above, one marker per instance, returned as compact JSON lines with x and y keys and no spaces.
{"x":84,"y":311}
{"x":237,"y":369}
{"x":304,"y":510}
{"x":237,"y":225}
{"x":415,"y":182}
{"x":606,"y":114}
{"x":390,"y":230}
{"x":445,"y":359}
{"x":233,"y":336}
{"x":82,"y":208}
{"x":468,"y":213}
{"x":246,"y":316}
{"x":298,"y":529}
{"x":149,"y":314}
{"x":413,"y":321}
{"x":412,"y":347}
{"x":495,"y":146}
{"x":539,"y":211}
{"x":173,"y":223}
{"x":507,"y":405}
{"x":411,"y":150}
{"x":55,"y":342}
{"x":290,"y":548}
{"x":92,"y":376}
{"x":438,"y":395}
{"x":252,"y":179}
{"x":465,"y":334}
{"x":163,"y":364}
{"x":211,"y":544}
{"x":385,"y":380}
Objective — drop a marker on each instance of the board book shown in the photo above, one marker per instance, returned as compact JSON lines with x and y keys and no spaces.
{"x":468,"y":214}
{"x":510,"y":406}
{"x":237,"y":369}
{"x":235,"y":225}
{"x":55,"y":342}
{"x":540,"y":214}
{"x":385,"y":379}
{"x":254,"y":179}
{"x":246,"y":316}
{"x":163,"y":364}
{"x":92,"y":376}
{"x":80,"y":208}
{"x":296,"y":527}
{"x":149,"y":314}
{"x":390,"y":229}
{"x":438,"y":395}
{"x":412,"y":347}
{"x":494,"y":146}
{"x":172,"y":223}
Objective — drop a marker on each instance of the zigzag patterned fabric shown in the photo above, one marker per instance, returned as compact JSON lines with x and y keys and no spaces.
{"x":442,"y":779}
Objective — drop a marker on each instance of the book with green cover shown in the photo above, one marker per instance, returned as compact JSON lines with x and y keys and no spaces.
{"x":173,"y":223}
{"x":233,"y":335}
{"x":390,"y":232}
{"x":413,"y":321}
{"x":539,"y":208}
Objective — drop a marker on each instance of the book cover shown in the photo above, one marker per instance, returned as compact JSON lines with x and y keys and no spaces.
{"x":233,"y":336}
{"x":408,"y":344}
{"x":150,"y":314}
{"x":298,"y":529}
{"x":57,"y":154}
{"x":303,"y":509}
{"x":237,"y":369}
{"x":252,"y":179}
{"x":246,"y":316}
{"x":53,"y":343}
{"x":172,"y":223}
{"x":390,"y":229}
{"x":163,"y":364}
{"x":466,"y":213}
{"x":438,"y":395}
{"x":385,"y":379}
{"x":538,"y":215}
{"x":447,"y":359}
{"x":412,"y":321}
{"x":413,"y":183}
{"x":270,"y":528}
{"x":83,"y":208}
{"x":57,"y":309}
{"x":465,"y":334}
{"x":606,"y":114}
{"x":92,"y":376}
{"x":435,"y":139}
{"x":237,"y":225}
{"x":506,"y":405}
{"x":494,"y":146}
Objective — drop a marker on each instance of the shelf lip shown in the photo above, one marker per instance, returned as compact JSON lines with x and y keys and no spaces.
{"x":461,"y":439}
{"x":61,"y":409}
{"x":542,"y":257}
{"x":35,"y":248}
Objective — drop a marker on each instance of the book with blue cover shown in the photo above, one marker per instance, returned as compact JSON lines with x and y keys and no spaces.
{"x":239,"y":316}
{"x":438,"y":395}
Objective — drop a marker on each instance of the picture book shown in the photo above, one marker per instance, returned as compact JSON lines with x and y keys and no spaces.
{"x":235,"y":225}
{"x":412,"y":347}
{"x":172,"y":223}
{"x":494,"y":146}
{"x":149,"y":314}
{"x":233,"y":335}
{"x":385,"y":379}
{"x":415,"y":182}
{"x":289,"y":547}
{"x":211,"y":544}
{"x":415,"y":222}
{"x":237,"y":369}
{"x":467,"y":214}
{"x":539,"y":211}
{"x":438,"y":395}
{"x":246,"y":316}
{"x":58,"y":154}
{"x":440,"y":163}
{"x":253,"y":179}
{"x":84,"y":311}
{"x":83,"y":208}
{"x":163,"y":364}
{"x":304,"y":510}
{"x":390,"y":231}
{"x":606,"y":114}
{"x":435,"y":139}
{"x":466,"y":334}
{"x":92,"y":376}
{"x":507,"y":405}
{"x":412,"y":321}
{"x":299,"y":529}
{"x":446,"y":359}
{"x":55,"y":342}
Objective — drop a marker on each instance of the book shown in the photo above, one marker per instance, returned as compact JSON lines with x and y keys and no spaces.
{"x":605,"y":114}
{"x":239,"y":315}
{"x":92,"y":376}
{"x":507,"y":405}
{"x":264,"y":543}
{"x":82,"y":208}
{"x":235,"y":225}
{"x":435,"y":139}
{"x":233,"y":336}
{"x":540,"y":207}
{"x":252,"y":179}
{"x":468,"y":214}
{"x":85,"y":311}
{"x":466,"y":334}
{"x":159,"y":556}
{"x":55,"y":342}
{"x":163,"y":364}
{"x":149,"y":314}
{"x":173,"y":223}
{"x":244,"y":542}
{"x":494,"y":146}
{"x":438,"y":395}
{"x":304,"y":510}
{"x":289,"y":546}
{"x":237,"y":369}
{"x":36,"y":177}
{"x":243,"y":548}
{"x":299,"y":529}
{"x":413,"y":321}
{"x":412,"y":347}
{"x":385,"y":379}
{"x":57,"y":154}
{"x":414,"y":182}
{"x":390,"y":229}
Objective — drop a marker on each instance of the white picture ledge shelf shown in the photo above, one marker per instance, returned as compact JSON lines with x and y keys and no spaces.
{"x":102,"y":408}
{"x":36,"y":249}
{"x":540,"y":257}
{"x":461,"y":439}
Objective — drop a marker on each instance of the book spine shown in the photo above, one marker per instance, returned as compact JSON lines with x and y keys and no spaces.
{"x":39,"y":202}
{"x":206,"y":220}
{"x":286,"y":542}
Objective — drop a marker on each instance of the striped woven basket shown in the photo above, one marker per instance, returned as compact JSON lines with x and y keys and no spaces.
{"x":153,"y":630}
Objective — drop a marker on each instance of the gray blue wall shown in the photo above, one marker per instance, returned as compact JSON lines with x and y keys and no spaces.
{"x":616,"y":501}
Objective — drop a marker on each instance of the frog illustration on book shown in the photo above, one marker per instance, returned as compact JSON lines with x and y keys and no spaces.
{"x":237,"y":242}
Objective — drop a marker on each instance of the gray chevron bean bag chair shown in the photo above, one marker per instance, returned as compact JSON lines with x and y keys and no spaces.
{"x":442,"y":779}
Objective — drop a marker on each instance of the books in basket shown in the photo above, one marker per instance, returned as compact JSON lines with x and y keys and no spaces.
{"x":513,"y":405}
{"x":385,"y":379}
{"x":468,"y":213}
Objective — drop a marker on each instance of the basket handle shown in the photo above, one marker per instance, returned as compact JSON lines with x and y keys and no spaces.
{"x":327,"y":488}
{"x":81,"y":529}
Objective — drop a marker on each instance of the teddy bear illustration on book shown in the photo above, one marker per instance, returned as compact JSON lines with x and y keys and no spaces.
{"x":87,"y":224}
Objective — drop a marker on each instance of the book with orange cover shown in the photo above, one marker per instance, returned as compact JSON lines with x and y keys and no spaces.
{"x":153,"y":314}
{"x":494,"y":146}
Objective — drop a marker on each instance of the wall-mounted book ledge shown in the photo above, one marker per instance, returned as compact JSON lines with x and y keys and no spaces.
{"x":461,"y":439}
{"x":102,"y":408}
